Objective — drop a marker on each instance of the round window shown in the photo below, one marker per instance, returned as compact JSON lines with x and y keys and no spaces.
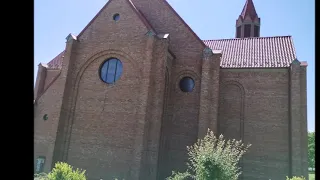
{"x":116,"y":17}
{"x":186,"y":84}
{"x":111,"y":70}
{"x":45,"y":117}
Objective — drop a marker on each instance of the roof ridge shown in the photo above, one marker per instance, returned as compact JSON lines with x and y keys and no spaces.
{"x":266,"y":37}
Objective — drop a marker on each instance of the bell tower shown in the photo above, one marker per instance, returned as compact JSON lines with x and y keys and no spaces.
{"x":248,"y":23}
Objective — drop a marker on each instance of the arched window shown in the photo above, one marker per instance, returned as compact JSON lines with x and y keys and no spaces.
{"x":256,"y":31}
{"x":239,"y":32}
{"x":247,"y":30}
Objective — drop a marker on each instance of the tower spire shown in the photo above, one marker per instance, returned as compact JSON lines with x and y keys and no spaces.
{"x":248,"y":22}
{"x":249,"y":10}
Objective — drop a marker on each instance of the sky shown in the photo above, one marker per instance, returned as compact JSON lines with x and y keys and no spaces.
{"x":209,"y":19}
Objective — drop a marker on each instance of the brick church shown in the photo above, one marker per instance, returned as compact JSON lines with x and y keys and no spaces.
{"x":137,"y":85}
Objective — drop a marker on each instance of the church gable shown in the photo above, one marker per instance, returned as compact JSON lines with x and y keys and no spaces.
{"x":106,"y":16}
{"x":117,"y":17}
{"x":164,"y":19}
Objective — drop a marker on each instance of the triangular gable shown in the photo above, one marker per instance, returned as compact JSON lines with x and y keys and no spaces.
{"x":188,"y":27}
{"x":140,"y":15}
{"x":144,"y":5}
{"x":56,"y":63}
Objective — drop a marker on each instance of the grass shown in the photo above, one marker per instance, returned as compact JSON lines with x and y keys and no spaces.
{"x":311,"y":176}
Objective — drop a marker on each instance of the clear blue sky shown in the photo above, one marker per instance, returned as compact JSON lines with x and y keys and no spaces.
{"x":210,"y":19}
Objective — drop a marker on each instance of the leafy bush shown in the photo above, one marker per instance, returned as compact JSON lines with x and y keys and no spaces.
{"x":296,"y":178}
{"x":311,"y":149}
{"x":179,"y":176}
{"x":63,"y":171}
{"x":213,"y":158}
{"x":41,"y":176}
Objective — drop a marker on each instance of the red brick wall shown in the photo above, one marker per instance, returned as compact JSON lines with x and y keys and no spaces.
{"x":298,"y":119}
{"x":50,"y":77}
{"x":230,"y":112}
{"x":304,"y":122}
{"x":181,"y":116}
{"x":264,"y":115}
{"x":45,"y":130}
{"x":108,"y":120}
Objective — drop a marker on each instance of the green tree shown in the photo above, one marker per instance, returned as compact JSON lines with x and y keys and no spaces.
{"x":213,"y":158}
{"x":311,"y":149}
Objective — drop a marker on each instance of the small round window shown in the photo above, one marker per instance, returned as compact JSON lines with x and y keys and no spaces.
{"x":45,"y":117}
{"x":111,"y":70}
{"x":186,"y":84}
{"x":116,"y":17}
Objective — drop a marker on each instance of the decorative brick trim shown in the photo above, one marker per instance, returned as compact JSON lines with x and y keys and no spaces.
{"x":242,"y":91}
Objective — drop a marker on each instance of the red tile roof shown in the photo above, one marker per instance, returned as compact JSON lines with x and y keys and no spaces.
{"x":56,"y":63}
{"x":255,"y":52}
{"x":249,"y":9}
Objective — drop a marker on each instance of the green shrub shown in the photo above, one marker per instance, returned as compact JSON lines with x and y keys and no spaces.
{"x":296,"y":178}
{"x":213,"y":158}
{"x":311,"y":149}
{"x":63,"y":171}
{"x":179,"y":176}
{"x":41,"y":176}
